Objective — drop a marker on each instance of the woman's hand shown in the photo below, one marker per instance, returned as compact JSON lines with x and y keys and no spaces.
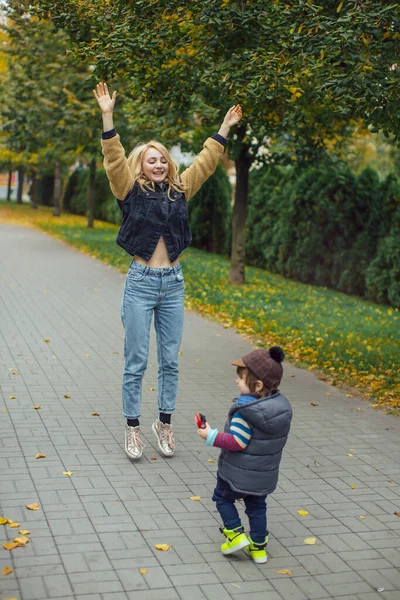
{"x":105,"y":101}
{"x":203,"y":433}
{"x":233,"y":116}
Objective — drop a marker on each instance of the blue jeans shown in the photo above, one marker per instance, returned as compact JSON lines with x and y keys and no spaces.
{"x":148,"y":291}
{"x":256,"y":510}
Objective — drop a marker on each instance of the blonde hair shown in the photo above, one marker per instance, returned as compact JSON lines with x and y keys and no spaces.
{"x":136,"y":158}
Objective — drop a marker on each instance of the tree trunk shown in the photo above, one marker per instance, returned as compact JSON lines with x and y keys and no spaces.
{"x":57,"y":189}
{"x":238,"y":255}
{"x":9,"y":190}
{"x":90,"y":196}
{"x":21,"y":173}
{"x":34,"y":190}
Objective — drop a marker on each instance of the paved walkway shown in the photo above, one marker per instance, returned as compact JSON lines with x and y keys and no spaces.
{"x":97,"y":528}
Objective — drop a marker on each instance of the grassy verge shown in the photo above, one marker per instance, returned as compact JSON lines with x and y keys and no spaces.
{"x":352,"y":342}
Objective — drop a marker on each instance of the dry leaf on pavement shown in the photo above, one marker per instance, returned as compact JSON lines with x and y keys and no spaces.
{"x":362,"y":517}
{"x":47,"y":341}
{"x":21,"y":541}
{"x":302,"y":512}
{"x":151,"y":389}
{"x":397,"y":514}
{"x":36,"y":407}
{"x":154,"y":458}
{"x":34,"y":506}
{"x":284,"y":572}
{"x":67,"y":473}
{"x":24,"y":531}
{"x":310,"y":541}
{"x":353,"y":487}
{"x":10,"y":545}
{"x":211,"y":460}
{"x":67,"y":396}
{"x":350,"y":455}
{"x":4,"y":521}
{"x":40,"y":455}
{"x":13,"y":525}
{"x":7,"y":571}
{"x":143,"y":571}
{"x":195,"y":498}
{"x":162,"y":547}
{"x":95,"y":414}
{"x":314,"y":404}
{"x":12,"y":397}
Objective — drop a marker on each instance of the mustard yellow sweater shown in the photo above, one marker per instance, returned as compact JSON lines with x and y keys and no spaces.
{"x":120,"y":176}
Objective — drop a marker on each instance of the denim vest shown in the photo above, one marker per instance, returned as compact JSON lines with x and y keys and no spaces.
{"x":255,"y":469}
{"x":149,"y":214}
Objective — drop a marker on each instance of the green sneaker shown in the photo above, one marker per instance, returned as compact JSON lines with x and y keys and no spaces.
{"x":236,"y":540}
{"x":257,"y":552}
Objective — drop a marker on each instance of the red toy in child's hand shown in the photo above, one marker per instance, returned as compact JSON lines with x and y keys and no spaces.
{"x":200,"y":420}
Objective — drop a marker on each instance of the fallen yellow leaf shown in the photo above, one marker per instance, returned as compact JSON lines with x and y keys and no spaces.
{"x":4,"y":521}
{"x":328,"y":394}
{"x":12,"y":397}
{"x":151,"y":389}
{"x":14,"y":372}
{"x":211,"y":460}
{"x":284,"y":572}
{"x":353,"y":487}
{"x":310,"y":541}
{"x":36,"y":407}
{"x":115,"y":352}
{"x":154,"y":458}
{"x":24,"y":531}
{"x":9,"y":545}
{"x":67,"y":473}
{"x":34,"y":506}
{"x":21,"y":541}
{"x":195,"y":498}
{"x":7,"y":571}
{"x":67,"y":396}
{"x":358,"y":409}
{"x":292,"y":375}
{"x":14,"y":525}
{"x":197,"y":360}
{"x":302,"y":512}
{"x":95,"y":414}
{"x":314,"y":404}
{"x":143,"y":571}
{"x":362,"y":517}
{"x":162,"y":547}
{"x":350,"y":455}
{"x":40,"y":455}
{"x":47,"y":341}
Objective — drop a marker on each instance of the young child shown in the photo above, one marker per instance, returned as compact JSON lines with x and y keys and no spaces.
{"x":251,"y":449}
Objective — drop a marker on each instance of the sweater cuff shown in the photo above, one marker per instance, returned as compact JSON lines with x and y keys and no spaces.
{"x":212,"y":434}
{"x":106,"y":135}
{"x":219,"y":138}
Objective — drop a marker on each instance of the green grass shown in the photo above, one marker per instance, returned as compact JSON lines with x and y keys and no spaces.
{"x":351,"y":341}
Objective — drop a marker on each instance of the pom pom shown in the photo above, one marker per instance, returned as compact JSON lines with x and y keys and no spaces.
{"x":277,"y":353}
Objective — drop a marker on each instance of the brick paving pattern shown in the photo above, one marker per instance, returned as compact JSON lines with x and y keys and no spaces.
{"x":97,"y":528}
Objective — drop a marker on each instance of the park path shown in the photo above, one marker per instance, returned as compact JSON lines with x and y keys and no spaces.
{"x":97,"y":528}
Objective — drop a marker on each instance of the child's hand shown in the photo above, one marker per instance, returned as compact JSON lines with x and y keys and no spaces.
{"x":203,"y":433}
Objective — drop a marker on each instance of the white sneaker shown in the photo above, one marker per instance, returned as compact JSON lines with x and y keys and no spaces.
{"x":165,"y":437}
{"x":133,"y":442}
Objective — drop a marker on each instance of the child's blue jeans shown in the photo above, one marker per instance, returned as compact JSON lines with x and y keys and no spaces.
{"x":256,"y":510}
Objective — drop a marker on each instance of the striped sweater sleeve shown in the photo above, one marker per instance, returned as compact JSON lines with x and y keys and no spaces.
{"x":236,"y":440}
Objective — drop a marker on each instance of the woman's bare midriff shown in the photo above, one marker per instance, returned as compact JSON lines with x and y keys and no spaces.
{"x":160,"y":258}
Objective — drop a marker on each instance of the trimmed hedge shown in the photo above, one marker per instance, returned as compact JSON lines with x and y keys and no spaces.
{"x":75,"y":196}
{"x":325,"y":226}
{"x":210,"y":214}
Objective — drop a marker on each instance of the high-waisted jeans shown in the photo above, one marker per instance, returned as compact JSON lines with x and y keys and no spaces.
{"x":146,"y":291}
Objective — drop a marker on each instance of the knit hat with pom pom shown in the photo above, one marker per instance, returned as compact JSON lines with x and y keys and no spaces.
{"x":265,"y":365}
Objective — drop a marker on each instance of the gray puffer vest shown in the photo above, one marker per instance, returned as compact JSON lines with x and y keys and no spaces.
{"x":255,"y":469}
